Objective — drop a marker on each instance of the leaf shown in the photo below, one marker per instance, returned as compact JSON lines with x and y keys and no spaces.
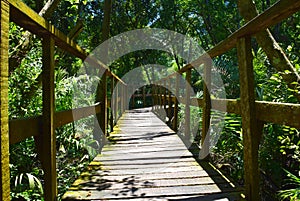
{"x":30,"y":180}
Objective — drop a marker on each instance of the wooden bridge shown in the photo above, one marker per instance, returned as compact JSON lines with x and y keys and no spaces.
{"x":159,"y":167}
{"x":145,"y":159}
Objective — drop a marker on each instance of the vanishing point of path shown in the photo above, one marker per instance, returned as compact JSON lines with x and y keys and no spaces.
{"x":146,"y":160}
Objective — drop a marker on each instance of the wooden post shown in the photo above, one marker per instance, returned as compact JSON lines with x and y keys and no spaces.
{"x":112,"y":84}
{"x":165,"y":94}
{"x":206,"y":109}
{"x":47,"y":139}
{"x":152,"y":95}
{"x":144,"y":96}
{"x":251,"y":133}
{"x":102,"y":98}
{"x":187,"y":105}
{"x":125,"y":97}
{"x":122,"y":98}
{"x":169,"y":101}
{"x":133,"y":97}
{"x":175,"y":122}
{"x":115,"y":109}
{"x":121,"y":93}
{"x":161,"y":95}
{"x":4,"y":148}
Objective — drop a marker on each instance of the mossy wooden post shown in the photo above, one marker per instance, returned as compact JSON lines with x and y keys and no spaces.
{"x":206,"y":108}
{"x":175,"y":122}
{"x":165,"y":93}
{"x":187,"y":105}
{"x":133,"y":98}
{"x":156,"y":91}
{"x":144,"y":96}
{"x":170,"y":100}
{"x":251,"y":132}
{"x":119,"y":100}
{"x":4,"y":149}
{"x":47,"y":138}
{"x":123,"y":98}
{"x":102,"y":98}
{"x":115,"y":101}
{"x":111,"y":120}
{"x":159,"y":95}
{"x":152,"y":95}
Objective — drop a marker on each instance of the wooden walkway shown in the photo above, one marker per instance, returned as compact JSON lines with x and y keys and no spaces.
{"x":146,"y":160}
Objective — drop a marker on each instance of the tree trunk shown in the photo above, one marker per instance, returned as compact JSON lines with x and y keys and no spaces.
{"x":25,"y":43}
{"x":275,"y":54}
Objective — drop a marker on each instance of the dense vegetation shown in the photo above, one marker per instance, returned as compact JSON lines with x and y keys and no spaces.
{"x":207,"y":21}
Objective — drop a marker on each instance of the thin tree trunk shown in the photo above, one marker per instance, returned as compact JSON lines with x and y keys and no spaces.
{"x":25,"y":44}
{"x":274,"y":52}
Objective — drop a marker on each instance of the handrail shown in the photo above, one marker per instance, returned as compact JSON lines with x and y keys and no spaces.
{"x":254,"y":113}
{"x":25,"y":17}
{"x":20,"y":129}
{"x":43,"y":127}
{"x":279,"y":11}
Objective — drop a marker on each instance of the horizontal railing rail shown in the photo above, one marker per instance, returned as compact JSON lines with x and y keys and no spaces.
{"x":42,"y":127}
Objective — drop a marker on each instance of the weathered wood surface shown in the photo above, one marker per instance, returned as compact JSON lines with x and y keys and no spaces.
{"x":146,"y":160}
{"x":4,"y":131}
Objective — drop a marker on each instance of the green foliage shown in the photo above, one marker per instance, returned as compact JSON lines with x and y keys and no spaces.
{"x":228,"y":153}
{"x":292,"y":194}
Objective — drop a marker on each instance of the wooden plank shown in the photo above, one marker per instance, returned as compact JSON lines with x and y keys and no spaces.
{"x":251,"y":132}
{"x":279,"y":113}
{"x":47,"y":139}
{"x":68,"y":116}
{"x":4,"y":132}
{"x":146,"y":167}
{"x":20,"y":129}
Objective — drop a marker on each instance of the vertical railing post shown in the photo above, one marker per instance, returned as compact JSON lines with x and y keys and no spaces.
{"x":251,"y":132}
{"x":206,"y":108}
{"x":116,"y":96}
{"x":47,"y":139}
{"x":112,"y":85}
{"x":144,"y":96}
{"x":4,"y":132}
{"x":165,"y":93}
{"x":161,"y":100}
{"x":152,"y":95}
{"x":175,"y":122}
{"x":126,"y":98}
{"x":133,"y":98}
{"x":121,"y":99}
{"x":187,"y":105}
{"x":169,"y":101}
{"x":102,"y":98}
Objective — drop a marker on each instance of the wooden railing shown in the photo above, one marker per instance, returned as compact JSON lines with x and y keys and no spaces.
{"x":43,"y":127}
{"x":254,"y":113}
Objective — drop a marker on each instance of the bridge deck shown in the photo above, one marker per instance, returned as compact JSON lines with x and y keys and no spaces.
{"x":146,"y":160}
